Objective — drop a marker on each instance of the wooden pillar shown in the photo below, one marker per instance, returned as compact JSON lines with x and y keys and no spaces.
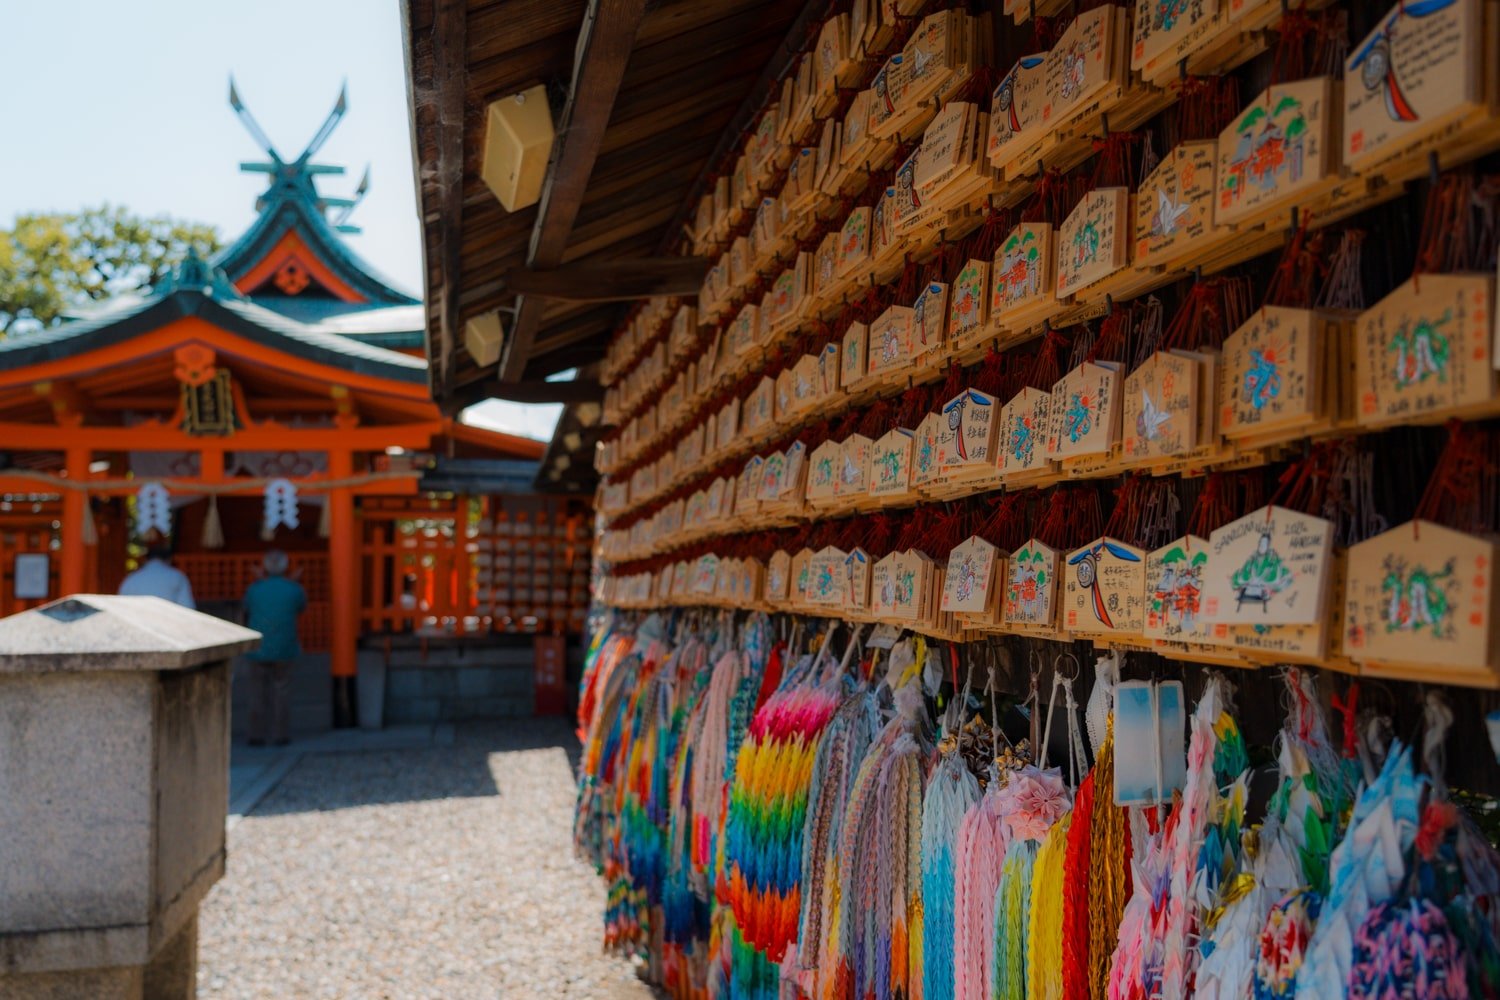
{"x":74,"y":566}
{"x":343,"y":577}
{"x":461,"y":561}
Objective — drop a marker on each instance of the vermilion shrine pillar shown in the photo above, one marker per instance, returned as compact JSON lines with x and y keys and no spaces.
{"x":343,"y":586}
{"x":74,"y":566}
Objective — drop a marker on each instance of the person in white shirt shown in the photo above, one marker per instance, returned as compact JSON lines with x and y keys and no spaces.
{"x":157,"y":577}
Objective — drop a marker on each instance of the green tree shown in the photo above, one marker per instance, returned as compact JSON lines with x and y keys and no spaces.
{"x":51,"y":262}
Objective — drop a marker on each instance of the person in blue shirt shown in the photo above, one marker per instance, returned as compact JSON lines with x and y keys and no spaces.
{"x":271,"y":607}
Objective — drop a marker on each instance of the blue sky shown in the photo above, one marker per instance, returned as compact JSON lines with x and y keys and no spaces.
{"x":127,"y":103}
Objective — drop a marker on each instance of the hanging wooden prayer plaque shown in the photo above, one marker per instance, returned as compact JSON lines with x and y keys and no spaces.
{"x":1422,"y":597}
{"x":1161,"y":408}
{"x":1085,"y":412}
{"x":822,"y":474}
{"x":852,"y":356}
{"x":783,"y":396}
{"x":968,"y":302}
{"x":829,"y":370}
{"x":760,"y":407}
{"x":1270,"y":567}
{"x":1168,"y":31}
{"x":825,"y":586}
{"x":706,"y":574}
{"x":928,"y":314}
{"x":1087,"y":59}
{"x":807,"y":384}
{"x":971,"y":425}
{"x":728,"y":422}
{"x":1174,"y":591}
{"x":1094,"y":242}
{"x":1016,"y":110}
{"x":827,"y":286}
{"x":1105,"y":589}
{"x":772,"y":473}
{"x":747,"y":489}
{"x":889,"y":474}
{"x":1174,"y":208}
{"x":801,"y":579}
{"x":1276,"y":151}
{"x":926,"y":465}
{"x":891,"y":341}
{"x":1023,"y":281}
{"x":1423,"y":353}
{"x":1031,"y":588}
{"x":856,"y":570}
{"x":1024,"y":425}
{"x":854,"y":243}
{"x":854,"y":456}
{"x":969,"y":586}
{"x":778,"y":576}
{"x":1271,"y":378}
{"x":902,"y":587}
{"x":909,"y":210}
{"x":1416,"y":73}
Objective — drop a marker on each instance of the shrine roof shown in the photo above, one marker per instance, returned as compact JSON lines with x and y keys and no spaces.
{"x":211,"y":300}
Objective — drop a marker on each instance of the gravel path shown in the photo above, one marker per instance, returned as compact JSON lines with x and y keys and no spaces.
{"x":443,"y":873}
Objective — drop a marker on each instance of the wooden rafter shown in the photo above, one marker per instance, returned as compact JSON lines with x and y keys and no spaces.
{"x":604,"y":44}
{"x":612,"y":280}
{"x":448,"y":43}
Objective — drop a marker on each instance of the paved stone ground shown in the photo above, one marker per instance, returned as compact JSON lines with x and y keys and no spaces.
{"x":445,"y":873}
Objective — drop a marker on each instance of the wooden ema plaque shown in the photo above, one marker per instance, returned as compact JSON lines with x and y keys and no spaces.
{"x":970,"y":586}
{"x":783,"y":396}
{"x":1416,"y":73}
{"x":1161,"y":408}
{"x":1168,"y":31}
{"x":1174,"y":208}
{"x":1024,"y":425}
{"x":854,"y":244}
{"x":778,"y":577}
{"x":1094,"y":242}
{"x":889,"y":475}
{"x":825,"y":587}
{"x":829,"y":371}
{"x":1270,"y":567}
{"x":926,"y":463}
{"x":852,"y":355}
{"x":890,"y":341}
{"x":807,"y":384}
{"x":1271,"y":376}
{"x":1276,"y":151}
{"x":1024,"y":278}
{"x":971,"y":426}
{"x":1085,"y":412}
{"x":854,"y":462}
{"x":706,"y":574}
{"x":801,"y":578}
{"x":1174,"y":591}
{"x":857,"y":568}
{"x":1420,"y":601}
{"x":822,"y":473}
{"x":746,"y":492}
{"x":1030,"y":600}
{"x":760,"y":407}
{"x":727,"y":423}
{"x":1016,"y":110}
{"x":1104,"y":589}
{"x":1087,"y":59}
{"x":968,"y":303}
{"x":898,"y":587}
{"x":1424,"y":353}
{"x":928,"y":316}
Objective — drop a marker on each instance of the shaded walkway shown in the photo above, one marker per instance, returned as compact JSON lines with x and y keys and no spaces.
{"x":444,"y":872}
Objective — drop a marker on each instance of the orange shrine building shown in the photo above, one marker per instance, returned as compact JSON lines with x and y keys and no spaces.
{"x":277,"y":396}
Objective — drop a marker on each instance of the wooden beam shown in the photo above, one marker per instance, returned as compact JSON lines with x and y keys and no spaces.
{"x":577,"y":391}
{"x":165,"y":437}
{"x":449,"y":43}
{"x":612,"y":280}
{"x":604,"y":44}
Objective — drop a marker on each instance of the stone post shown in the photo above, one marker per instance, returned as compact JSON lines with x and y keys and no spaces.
{"x":114,"y":785}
